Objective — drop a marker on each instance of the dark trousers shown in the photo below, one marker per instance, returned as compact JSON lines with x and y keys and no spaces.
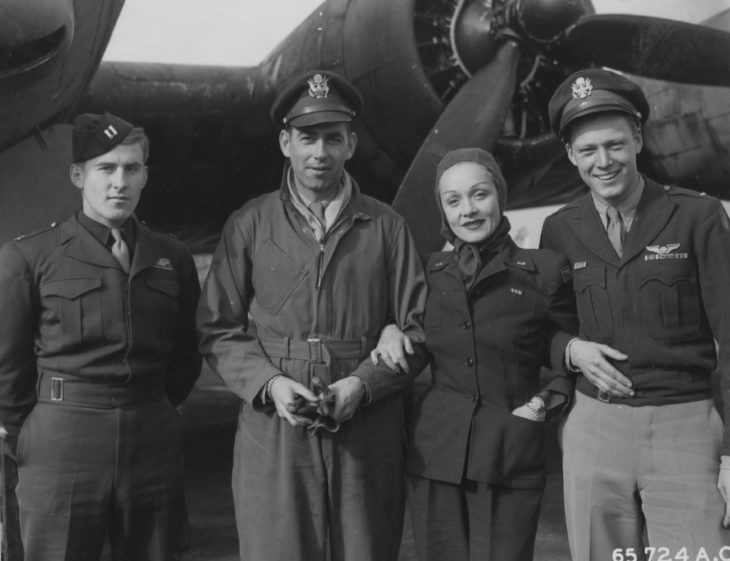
{"x":473,"y":521}
{"x":87,"y":475}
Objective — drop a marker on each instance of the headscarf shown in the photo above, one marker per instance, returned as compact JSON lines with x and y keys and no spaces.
{"x":472,"y":257}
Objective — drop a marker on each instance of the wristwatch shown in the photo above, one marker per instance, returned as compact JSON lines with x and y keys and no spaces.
{"x":537,"y":406}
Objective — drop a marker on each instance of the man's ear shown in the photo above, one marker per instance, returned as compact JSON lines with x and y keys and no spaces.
{"x":571,"y":156}
{"x":76,"y":172}
{"x":352,"y":142}
{"x":284,"y":141}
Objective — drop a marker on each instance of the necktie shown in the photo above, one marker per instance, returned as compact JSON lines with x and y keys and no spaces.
{"x":318,"y":211}
{"x":120,"y":251}
{"x":615,"y":229}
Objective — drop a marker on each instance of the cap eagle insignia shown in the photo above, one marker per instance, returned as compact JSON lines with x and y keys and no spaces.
{"x":318,"y":86}
{"x":581,"y":88}
{"x":663,"y":249}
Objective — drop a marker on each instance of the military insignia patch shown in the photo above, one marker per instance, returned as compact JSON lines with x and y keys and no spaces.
{"x":579,"y":265}
{"x":663,"y":252}
{"x":516,"y":291}
{"x":163,"y":263}
{"x":110,"y":132}
{"x":318,"y":86}
{"x":581,"y":88}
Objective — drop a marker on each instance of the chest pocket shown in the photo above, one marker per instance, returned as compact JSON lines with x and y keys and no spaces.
{"x":506,"y":308}
{"x":275,"y":277}
{"x":670,"y":303}
{"x":72,"y":311}
{"x":594,"y":306}
{"x":161,"y":306}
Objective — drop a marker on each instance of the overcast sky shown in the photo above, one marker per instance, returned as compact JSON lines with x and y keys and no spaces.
{"x":242,"y":32}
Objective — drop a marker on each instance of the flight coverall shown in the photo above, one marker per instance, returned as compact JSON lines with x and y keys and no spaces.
{"x":318,"y":310}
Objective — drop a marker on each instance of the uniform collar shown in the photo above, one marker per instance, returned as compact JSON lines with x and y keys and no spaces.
{"x":103,"y":233}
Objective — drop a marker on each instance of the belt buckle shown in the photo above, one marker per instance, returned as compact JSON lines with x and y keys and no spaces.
{"x":605,"y":397}
{"x":56,"y":389}
{"x":315,"y":349}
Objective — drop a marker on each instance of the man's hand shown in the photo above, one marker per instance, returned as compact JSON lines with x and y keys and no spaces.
{"x":284,"y":392}
{"x":392,"y":348}
{"x":593,"y":359}
{"x":723,"y":485}
{"x":348,"y":392}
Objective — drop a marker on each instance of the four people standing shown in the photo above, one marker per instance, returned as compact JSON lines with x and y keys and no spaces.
{"x":99,"y":346}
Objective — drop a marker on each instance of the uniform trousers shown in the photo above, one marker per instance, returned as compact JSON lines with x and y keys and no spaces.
{"x":473,"y":521}
{"x":336,"y":496}
{"x":651,"y":471}
{"x":89,"y":474}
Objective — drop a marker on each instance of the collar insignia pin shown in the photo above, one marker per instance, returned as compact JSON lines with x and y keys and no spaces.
{"x":164,"y":263}
{"x":581,"y":88}
{"x":318,"y":86}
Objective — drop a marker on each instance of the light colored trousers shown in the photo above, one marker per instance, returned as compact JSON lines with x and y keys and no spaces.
{"x":641,"y":482}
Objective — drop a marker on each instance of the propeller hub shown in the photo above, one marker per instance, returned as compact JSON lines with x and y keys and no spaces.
{"x":543,"y":21}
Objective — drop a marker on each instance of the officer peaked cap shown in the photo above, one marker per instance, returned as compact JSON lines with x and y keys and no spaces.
{"x":317,"y":96}
{"x":592,"y":91}
{"x":94,"y":135}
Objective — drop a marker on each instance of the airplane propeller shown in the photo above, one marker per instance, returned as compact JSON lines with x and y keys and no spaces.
{"x":510,"y":55}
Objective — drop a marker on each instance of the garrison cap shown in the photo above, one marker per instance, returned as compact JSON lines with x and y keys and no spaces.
{"x":317,"y":96}
{"x":595,"y":90}
{"x":94,"y":135}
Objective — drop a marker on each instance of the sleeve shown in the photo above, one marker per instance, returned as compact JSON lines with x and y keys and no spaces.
{"x":18,"y":317}
{"x":222,"y":318}
{"x":564,"y":319}
{"x":185,"y":364}
{"x":407,"y":298}
{"x":712,"y":248}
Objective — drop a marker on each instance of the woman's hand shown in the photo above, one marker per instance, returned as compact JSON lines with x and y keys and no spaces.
{"x":533,"y":410}
{"x":392,"y":348}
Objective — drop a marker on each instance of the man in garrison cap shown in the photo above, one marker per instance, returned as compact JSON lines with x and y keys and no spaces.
{"x":320,"y":269}
{"x":98,"y":347}
{"x":645,"y":454}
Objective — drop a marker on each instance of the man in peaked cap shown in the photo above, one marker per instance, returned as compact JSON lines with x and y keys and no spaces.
{"x":643,"y":443}
{"x":98,"y":348}
{"x":319,"y":268}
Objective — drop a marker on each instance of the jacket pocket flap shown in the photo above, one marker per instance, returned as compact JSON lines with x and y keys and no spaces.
{"x":70,"y":288}
{"x":166,"y":286}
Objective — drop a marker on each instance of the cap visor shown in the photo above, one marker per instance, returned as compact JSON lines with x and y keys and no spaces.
{"x":319,"y":117}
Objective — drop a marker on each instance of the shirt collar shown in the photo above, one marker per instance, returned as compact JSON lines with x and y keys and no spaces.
{"x":627,"y":208}
{"x":103,"y":233}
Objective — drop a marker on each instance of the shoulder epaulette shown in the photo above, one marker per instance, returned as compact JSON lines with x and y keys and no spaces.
{"x":37,"y":232}
{"x":682,"y":191}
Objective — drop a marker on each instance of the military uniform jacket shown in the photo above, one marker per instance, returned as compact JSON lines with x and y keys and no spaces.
{"x":487,"y":348}
{"x":365,"y":275}
{"x":664,"y":302}
{"x":67,"y":307}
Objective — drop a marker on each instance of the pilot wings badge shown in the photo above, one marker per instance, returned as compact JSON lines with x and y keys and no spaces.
{"x":318,"y":86}
{"x":663,"y":252}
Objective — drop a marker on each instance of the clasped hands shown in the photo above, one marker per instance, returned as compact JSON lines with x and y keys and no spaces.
{"x":321,"y":406}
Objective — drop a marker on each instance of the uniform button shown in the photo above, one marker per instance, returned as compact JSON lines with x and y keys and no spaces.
{"x":467,"y":325}
{"x":474,"y":398}
{"x":470,"y":361}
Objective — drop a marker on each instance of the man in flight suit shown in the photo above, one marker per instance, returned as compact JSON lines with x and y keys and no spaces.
{"x":319,"y":268}
{"x":98,"y":348}
{"x":651,"y":274}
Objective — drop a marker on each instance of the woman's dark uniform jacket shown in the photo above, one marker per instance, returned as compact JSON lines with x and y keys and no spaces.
{"x":486,"y":350}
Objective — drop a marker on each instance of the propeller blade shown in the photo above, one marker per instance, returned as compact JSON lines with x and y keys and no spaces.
{"x":474,"y":117}
{"x":652,"y":47}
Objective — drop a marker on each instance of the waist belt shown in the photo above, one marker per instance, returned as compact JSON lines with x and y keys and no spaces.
{"x":73,"y":390}
{"x":316,"y":349}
